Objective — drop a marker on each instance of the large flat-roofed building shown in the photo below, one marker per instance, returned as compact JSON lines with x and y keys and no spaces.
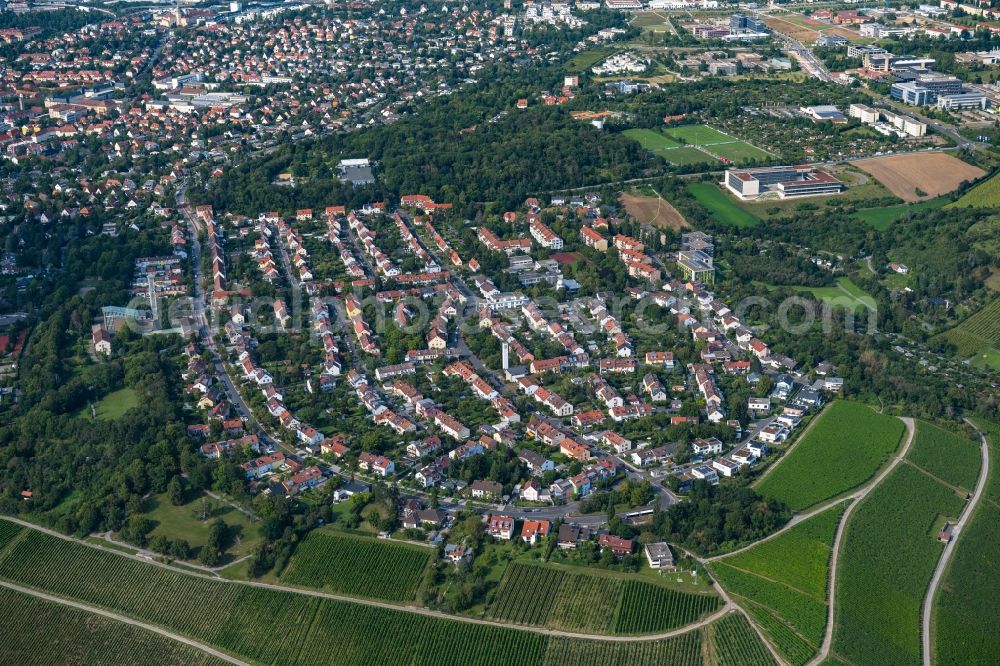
{"x":926,"y":88}
{"x":356,"y":172}
{"x":966,"y":100}
{"x":912,"y":93}
{"x":785,"y":181}
{"x":864,"y":113}
{"x":696,"y":265}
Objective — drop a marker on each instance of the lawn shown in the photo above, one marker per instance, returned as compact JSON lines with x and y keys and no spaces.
{"x":357,"y":565}
{"x":720,"y":205}
{"x":951,"y":457}
{"x":845,"y":447}
{"x":881,"y":218}
{"x":887,"y":558}
{"x":968,"y":602}
{"x":183,"y":522}
{"x":699,"y":135}
{"x":786,"y":579}
{"x":854,"y":296}
{"x":115,"y":404}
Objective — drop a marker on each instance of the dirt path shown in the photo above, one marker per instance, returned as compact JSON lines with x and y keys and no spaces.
{"x":727,"y":606}
{"x":126,"y":620}
{"x":824,"y":651}
{"x":949,"y":549}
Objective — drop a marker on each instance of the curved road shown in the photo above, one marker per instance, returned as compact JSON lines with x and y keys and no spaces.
{"x":970,"y":508}
{"x":835,"y":552}
{"x":127,"y":620}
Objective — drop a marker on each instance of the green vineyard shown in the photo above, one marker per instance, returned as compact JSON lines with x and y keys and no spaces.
{"x":534,"y":608}
{"x":968,"y":602}
{"x":43,"y":632}
{"x":886,"y":561}
{"x":542,"y":596}
{"x":647,"y":608}
{"x":782,"y":583}
{"x":359,"y":566}
{"x":266,"y":625}
{"x":734,"y":643}
{"x":849,"y":442}
{"x":684,"y":650}
{"x":951,"y":457}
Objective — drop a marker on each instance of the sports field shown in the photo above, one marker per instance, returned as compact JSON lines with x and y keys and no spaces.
{"x":695,"y":144}
{"x":714,"y":142}
{"x":699,"y":135}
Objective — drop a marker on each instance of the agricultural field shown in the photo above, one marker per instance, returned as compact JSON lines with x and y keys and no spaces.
{"x":734,"y":643}
{"x":791,"y":29}
{"x":887,"y":557}
{"x":783,"y":583}
{"x":544,"y":596}
{"x":273,"y":626}
{"x":920,"y":176}
{"x":721,"y":205}
{"x":882,"y":218}
{"x":968,"y":601}
{"x":653,"y":210}
{"x":37,"y":631}
{"x":979,"y":335}
{"x":357,"y":565}
{"x":849,"y":441}
{"x":951,"y":457}
{"x":984,"y":195}
{"x":783,"y":605}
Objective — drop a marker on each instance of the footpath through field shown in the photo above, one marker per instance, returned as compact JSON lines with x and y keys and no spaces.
{"x":126,"y":620}
{"x":727,"y":607}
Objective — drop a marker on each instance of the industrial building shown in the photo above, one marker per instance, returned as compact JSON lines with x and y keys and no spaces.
{"x":785,"y":181}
